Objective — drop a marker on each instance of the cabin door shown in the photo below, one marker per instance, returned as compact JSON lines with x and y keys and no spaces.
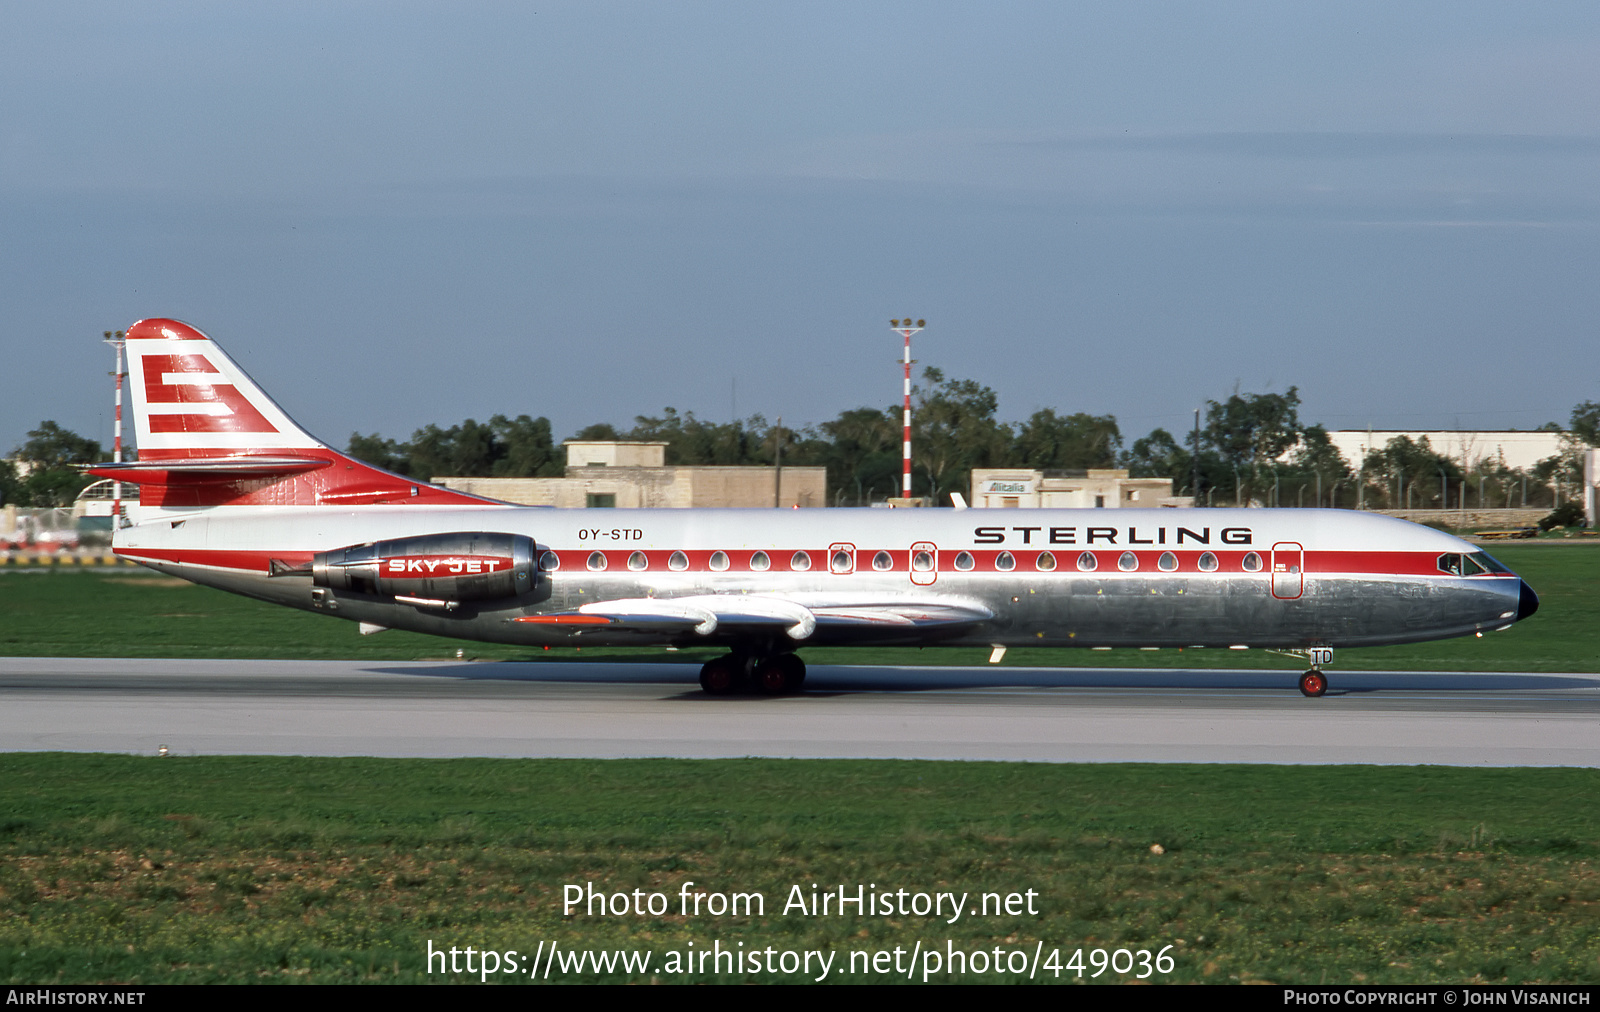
{"x":1288,"y":570}
{"x":924,"y":563}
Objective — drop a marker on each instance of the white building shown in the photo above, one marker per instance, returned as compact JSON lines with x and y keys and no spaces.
{"x":1517,"y":450}
{"x":1014,"y":487}
{"x":632,"y":475}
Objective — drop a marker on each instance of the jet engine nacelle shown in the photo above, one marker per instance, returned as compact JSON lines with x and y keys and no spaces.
{"x":437,"y":568}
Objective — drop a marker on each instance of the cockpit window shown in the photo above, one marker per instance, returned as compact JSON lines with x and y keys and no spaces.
{"x":1471,"y":564}
{"x":1489,"y":562}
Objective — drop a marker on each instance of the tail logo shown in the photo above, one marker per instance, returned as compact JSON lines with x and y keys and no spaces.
{"x":186,"y":393}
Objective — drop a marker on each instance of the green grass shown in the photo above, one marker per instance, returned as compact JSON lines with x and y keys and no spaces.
{"x":146,"y":870}
{"x":121,"y":612}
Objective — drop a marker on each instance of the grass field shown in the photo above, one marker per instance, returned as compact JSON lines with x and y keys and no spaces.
{"x":273,"y":869}
{"x":134,"y":613}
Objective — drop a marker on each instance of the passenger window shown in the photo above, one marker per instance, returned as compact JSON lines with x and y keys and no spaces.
{"x":922,"y":562}
{"x":1208,"y":562}
{"x":841,"y":562}
{"x":1087,"y":563}
{"x":799,"y":562}
{"x":1252,"y":562}
{"x":677,"y":562}
{"x":637,"y":562}
{"x":760,"y":563}
{"x":1167,"y":563}
{"x":550,"y":562}
{"x":1045,"y":563}
{"x":883,"y":562}
{"x":597,"y":561}
{"x":1005,"y":562}
{"x":1127,"y":562}
{"x":719,"y":561}
{"x":964,"y":561}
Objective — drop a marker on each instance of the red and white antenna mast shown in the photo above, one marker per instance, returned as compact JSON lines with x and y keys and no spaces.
{"x":118,"y":340}
{"x":906,"y":328}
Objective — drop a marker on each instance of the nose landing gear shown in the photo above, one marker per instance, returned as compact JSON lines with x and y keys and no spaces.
{"x":1314,"y":682}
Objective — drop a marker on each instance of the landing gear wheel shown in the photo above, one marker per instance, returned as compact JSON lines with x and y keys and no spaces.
{"x":797,"y":672}
{"x":781,"y":674}
{"x":1313,"y":683}
{"x":720,"y":677}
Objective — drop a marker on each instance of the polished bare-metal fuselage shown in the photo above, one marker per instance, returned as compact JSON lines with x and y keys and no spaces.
{"x":1160,"y":578}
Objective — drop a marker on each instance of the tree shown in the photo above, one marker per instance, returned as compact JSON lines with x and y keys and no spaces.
{"x":1562,"y":473}
{"x":954,"y":430}
{"x":1317,"y":465}
{"x":600,"y":432}
{"x":1250,"y":432}
{"x":380,"y":452}
{"x":502,"y":448}
{"x":524,"y":448}
{"x":1159,"y":455}
{"x":10,"y":484}
{"x":1586,"y":423}
{"x":53,"y":453}
{"x":1048,"y":441}
{"x":1410,"y":473}
{"x":692,"y":442}
{"x":862,"y":453}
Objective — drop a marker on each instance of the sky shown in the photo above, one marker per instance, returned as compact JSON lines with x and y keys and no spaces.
{"x":394,"y":214}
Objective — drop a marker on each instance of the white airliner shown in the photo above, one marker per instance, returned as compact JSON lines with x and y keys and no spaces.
{"x":235,"y":495}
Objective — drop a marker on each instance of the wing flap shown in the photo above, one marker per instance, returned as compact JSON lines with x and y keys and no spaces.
{"x":708,"y":613}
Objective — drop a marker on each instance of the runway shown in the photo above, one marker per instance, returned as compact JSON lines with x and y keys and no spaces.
{"x":439,"y":709}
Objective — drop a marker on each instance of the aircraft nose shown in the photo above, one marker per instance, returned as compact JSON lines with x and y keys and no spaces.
{"x":1529,"y":602}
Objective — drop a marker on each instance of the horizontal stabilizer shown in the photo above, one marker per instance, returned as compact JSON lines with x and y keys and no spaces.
{"x":188,"y":471}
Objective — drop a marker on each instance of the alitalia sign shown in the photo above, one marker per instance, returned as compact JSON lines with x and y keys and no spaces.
{"x":998,"y":487}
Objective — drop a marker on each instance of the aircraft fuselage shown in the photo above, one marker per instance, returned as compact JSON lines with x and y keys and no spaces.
{"x":1066,"y":578}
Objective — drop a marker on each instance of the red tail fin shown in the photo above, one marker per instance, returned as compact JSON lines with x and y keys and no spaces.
{"x":209,"y":436}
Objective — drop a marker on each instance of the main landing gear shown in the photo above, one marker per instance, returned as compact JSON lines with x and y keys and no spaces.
{"x":772,"y":675}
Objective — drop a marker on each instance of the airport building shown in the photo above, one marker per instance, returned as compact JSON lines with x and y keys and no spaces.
{"x":634,"y":475}
{"x":1517,"y":450}
{"x":1011,"y":487}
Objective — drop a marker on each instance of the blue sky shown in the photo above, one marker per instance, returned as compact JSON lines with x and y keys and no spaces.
{"x":394,"y":214}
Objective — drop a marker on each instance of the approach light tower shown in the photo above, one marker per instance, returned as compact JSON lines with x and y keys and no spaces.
{"x":118,"y":340}
{"x":906,"y":328}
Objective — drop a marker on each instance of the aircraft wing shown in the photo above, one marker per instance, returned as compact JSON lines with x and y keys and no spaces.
{"x":799,"y":619}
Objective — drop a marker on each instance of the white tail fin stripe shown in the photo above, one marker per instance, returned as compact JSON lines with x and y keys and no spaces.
{"x":193,"y":379}
{"x":190,"y":409}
